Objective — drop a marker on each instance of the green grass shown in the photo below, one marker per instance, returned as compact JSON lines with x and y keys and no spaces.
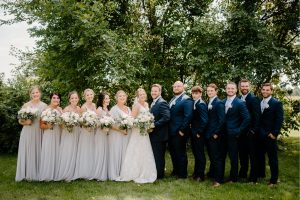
{"x":169,"y":188}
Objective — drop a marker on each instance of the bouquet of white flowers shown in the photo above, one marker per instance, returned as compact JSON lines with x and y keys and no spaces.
{"x":50,"y":116}
{"x":88,"y":120}
{"x":145,"y":122}
{"x":69,"y":120}
{"x":106,"y":122}
{"x":28,"y":114}
{"x":125,"y":122}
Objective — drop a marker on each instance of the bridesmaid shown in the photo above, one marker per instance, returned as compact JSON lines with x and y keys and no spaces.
{"x":117,"y":138}
{"x":50,"y":143}
{"x":69,"y":142}
{"x":30,"y":141}
{"x":85,"y":154}
{"x":101,"y":141}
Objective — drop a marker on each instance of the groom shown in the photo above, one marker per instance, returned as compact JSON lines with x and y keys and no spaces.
{"x":159,"y":136}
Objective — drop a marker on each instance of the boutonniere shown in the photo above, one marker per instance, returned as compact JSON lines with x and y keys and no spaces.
{"x":210,"y":107}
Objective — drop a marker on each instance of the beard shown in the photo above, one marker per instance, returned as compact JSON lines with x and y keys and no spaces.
{"x":244,"y":92}
{"x":178,"y":93}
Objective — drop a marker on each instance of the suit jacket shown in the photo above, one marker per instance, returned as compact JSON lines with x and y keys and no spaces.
{"x":253,"y":106}
{"x":237,"y":118}
{"x":181,"y":115}
{"x":199,"y":119}
{"x":216,"y":118}
{"x":161,"y":113}
{"x":272,"y":118}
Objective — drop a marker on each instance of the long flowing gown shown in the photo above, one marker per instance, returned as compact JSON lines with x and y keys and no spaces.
{"x":139,"y":164}
{"x":100,"y":172}
{"x":85,"y":154}
{"x":29,"y":152}
{"x":50,"y":153}
{"x":117,"y":144}
{"x":67,"y":154}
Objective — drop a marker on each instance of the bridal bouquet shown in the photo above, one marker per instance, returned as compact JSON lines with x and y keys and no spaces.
{"x":88,"y":120}
{"x":145,"y":122}
{"x":28,"y":114}
{"x":106,"y":123}
{"x":69,"y":120}
{"x":125,"y":122}
{"x":50,"y":116}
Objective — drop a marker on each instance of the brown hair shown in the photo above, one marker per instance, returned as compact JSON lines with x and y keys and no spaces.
{"x":157,"y":85}
{"x":267,"y":85}
{"x":196,"y":89}
{"x":244,"y":81}
{"x":212,"y":85}
{"x":71,"y":93}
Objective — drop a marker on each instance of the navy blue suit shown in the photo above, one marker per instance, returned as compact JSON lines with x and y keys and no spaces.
{"x":159,"y":135}
{"x":271,"y":122}
{"x":248,"y":140}
{"x":198,"y":125}
{"x":181,"y":115}
{"x":216,"y":119}
{"x":236,"y":121}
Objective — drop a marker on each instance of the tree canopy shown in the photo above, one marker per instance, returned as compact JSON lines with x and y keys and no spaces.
{"x":126,"y":44}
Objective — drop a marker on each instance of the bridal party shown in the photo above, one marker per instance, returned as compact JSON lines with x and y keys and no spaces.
{"x":98,"y":141}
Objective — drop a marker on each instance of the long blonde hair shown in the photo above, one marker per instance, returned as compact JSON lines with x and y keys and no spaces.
{"x":137,"y":93}
{"x":88,"y":90}
{"x":33,"y":88}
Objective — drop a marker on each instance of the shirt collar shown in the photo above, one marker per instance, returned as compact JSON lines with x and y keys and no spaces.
{"x":197,"y":100}
{"x":155,"y":100}
{"x":245,"y":96}
{"x":231,"y":98}
{"x":212,"y":99}
{"x":266,"y":100}
{"x":177,"y":96}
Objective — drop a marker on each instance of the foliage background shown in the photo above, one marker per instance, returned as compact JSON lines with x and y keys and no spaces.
{"x":125,"y":44}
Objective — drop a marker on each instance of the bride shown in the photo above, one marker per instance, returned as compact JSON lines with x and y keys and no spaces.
{"x":139,"y":164}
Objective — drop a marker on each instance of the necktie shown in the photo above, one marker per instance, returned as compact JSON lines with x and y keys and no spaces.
{"x":152,"y":104}
{"x":227,"y":105}
{"x":263,"y":104}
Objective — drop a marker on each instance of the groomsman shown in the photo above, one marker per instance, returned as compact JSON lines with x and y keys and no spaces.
{"x":181,"y":109}
{"x":237,"y":119}
{"x":213,"y":133}
{"x":198,"y":124}
{"x":248,"y":140}
{"x":159,"y":135}
{"x":270,"y":124}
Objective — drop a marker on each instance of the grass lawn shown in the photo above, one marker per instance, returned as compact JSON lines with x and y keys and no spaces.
{"x":168,"y":188}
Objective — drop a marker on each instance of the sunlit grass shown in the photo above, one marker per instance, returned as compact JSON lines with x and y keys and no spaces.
{"x":168,"y":188}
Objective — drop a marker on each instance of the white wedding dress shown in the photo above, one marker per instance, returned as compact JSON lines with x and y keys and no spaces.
{"x":139,"y":164}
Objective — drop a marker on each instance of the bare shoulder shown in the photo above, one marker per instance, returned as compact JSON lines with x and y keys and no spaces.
{"x":25,"y":105}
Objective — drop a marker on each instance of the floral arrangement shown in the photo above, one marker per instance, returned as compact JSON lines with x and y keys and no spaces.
{"x":89,"y":120}
{"x":105,"y":122}
{"x":69,"y":120}
{"x":145,"y":122}
{"x":50,"y":116}
{"x":28,"y":113}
